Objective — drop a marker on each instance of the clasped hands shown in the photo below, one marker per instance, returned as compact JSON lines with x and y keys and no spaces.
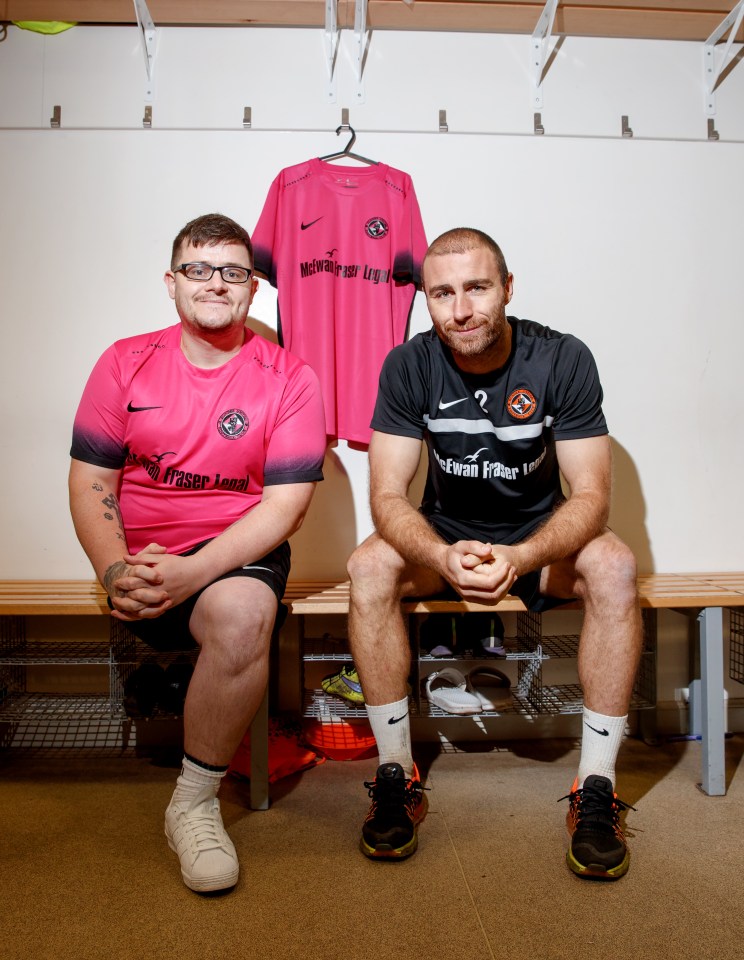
{"x":479,"y":571}
{"x":146,"y":584}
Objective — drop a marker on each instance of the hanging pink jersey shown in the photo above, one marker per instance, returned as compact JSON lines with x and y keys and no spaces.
{"x":343,"y":246}
{"x":197,"y":446}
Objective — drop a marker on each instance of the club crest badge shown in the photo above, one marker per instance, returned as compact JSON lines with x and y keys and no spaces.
{"x":521,"y":403}
{"x":376,"y":228}
{"x":232,"y":424}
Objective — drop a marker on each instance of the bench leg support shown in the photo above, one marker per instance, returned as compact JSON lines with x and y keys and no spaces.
{"x":712,"y":702}
{"x":260,"y":756}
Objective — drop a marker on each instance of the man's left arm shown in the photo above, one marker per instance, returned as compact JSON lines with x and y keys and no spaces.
{"x":586,"y":466}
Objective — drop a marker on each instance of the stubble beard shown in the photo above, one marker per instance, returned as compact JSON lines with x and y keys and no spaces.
{"x":488,"y":340}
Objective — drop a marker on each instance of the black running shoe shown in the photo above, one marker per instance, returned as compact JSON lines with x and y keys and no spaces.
{"x":143,"y":689}
{"x":597,"y":848}
{"x":175,"y":685}
{"x":398,"y":806}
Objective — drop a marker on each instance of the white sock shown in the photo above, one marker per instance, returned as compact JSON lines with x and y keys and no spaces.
{"x":600,"y":744}
{"x":392,"y":730}
{"x":194,"y":778}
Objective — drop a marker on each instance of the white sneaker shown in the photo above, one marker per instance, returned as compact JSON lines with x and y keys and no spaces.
{"x":195,"y":832}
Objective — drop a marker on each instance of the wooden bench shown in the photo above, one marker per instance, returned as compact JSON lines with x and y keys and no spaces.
{"x":67,"y":598}
{"x":703,"y":595}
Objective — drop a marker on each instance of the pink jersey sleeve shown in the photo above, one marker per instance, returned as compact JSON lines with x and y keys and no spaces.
{"x":98,"y":430}
{"x":297,"y":444}
{"x":412,"y":245}
{"x":264,"y":236}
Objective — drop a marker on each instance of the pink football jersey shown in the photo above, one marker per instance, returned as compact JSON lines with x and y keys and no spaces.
{"x":343,"y":246}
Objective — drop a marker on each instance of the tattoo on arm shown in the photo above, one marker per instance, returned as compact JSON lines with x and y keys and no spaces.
{"x":116,"y":570}
{"x":112,"y":502}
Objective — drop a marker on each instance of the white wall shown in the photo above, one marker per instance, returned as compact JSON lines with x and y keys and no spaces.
{"x":632,"y":244}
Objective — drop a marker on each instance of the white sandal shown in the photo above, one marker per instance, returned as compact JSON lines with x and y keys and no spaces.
{"x":490,"y":687}
{"x":446,"y":689}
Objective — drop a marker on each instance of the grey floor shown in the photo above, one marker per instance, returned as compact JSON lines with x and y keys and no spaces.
{"x":85,"y":871}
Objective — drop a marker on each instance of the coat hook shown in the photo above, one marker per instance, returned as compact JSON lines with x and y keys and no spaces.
{"x":626,"y":131}
{"x":443,"y":126}
{"x":712,"y":132}
{"x":539,"y":128}
{"x":246,"y":118}
{"x":56,"y":118}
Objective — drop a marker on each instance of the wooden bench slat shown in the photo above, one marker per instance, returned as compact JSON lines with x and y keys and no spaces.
{"x":87,"y":597}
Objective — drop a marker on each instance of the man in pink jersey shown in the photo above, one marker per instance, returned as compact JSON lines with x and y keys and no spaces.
{"x":195,"y":454}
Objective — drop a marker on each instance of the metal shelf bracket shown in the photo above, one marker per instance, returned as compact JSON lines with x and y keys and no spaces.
{"x":330,"y":46}
{"x":361,"y":38}
{"x":711,"y":70}
{"x":540,"y":50}
{"x":148,"y":38}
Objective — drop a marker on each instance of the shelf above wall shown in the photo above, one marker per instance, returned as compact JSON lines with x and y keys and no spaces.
{"x":644,"y":19}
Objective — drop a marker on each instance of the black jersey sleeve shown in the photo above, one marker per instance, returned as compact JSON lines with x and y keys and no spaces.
{"x":402,"y":395}
{"x":577,"y":392}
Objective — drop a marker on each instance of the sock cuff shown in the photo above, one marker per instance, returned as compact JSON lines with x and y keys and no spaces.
{"x":385,"y":708}
{"x":601,"y":718}
{"x":201,"y":766}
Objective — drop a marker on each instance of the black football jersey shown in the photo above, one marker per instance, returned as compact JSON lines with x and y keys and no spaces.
{"x":493,"y":473}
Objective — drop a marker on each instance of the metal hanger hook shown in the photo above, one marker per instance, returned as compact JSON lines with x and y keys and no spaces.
{"x":348,"y":127}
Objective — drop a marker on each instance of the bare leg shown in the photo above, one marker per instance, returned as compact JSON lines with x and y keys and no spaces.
{"x":379,"y":645}
{"x":232,"y":622}
{"x":377,"y":632}
{"x":603,"y":576}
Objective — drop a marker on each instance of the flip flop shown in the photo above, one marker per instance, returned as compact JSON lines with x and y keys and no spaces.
{"x":484,"y":634}
{"x":446,"y":689}
{"x":437,"y":635}
{"x":490,"y":687}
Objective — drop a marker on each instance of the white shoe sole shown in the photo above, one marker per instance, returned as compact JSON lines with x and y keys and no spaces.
{"x":205,"y":884}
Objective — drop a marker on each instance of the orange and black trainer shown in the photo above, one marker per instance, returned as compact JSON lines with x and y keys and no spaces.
{"x":597,"y":848}
{"x":398,"y":806}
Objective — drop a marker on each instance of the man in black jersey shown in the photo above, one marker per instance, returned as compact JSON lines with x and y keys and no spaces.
{"x":506,"y":408}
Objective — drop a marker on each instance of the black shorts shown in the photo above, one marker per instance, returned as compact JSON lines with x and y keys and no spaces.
{"x":526,"y":587}
{"x":171,"y":630}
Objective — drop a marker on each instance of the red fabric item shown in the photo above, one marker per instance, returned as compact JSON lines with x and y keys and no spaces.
{"x":287,"y":755}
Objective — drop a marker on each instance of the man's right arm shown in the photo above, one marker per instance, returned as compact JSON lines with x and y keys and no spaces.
{"x":393,"y":462}
{"x":94,"y":505}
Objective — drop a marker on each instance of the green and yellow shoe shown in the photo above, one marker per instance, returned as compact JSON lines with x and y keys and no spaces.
{"x":344,"y":684}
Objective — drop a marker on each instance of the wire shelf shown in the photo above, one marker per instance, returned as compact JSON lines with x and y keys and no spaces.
{"x":736,"y":645}
{"x":52,"y":721}
{"x":58,"y":652}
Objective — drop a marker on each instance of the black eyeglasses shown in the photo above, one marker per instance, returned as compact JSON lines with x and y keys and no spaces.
{"x":205,"y":271}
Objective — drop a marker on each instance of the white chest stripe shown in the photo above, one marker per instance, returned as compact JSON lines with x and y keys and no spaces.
{"x":521,"y":431}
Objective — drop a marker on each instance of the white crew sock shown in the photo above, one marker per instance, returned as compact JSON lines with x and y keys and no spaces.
{"x":194,"y":778}
{"x":600,"y":743}
{"x":392,"y":729}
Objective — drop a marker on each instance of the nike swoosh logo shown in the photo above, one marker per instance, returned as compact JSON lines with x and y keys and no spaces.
{"x":304,"y":226}
{"x":397,"y":719}
{"x":131,"y":409}
{"x":602,"y":733}
{"x":443,"y":406}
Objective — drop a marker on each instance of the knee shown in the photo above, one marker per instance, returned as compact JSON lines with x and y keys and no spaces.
{"x":609,"y":571}
{"x":238,"y":637}
{"x":374,"y":570}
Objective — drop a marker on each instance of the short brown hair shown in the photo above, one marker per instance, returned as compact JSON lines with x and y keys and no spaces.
{"x":462,"y":239}
{"x":210,"y":230}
